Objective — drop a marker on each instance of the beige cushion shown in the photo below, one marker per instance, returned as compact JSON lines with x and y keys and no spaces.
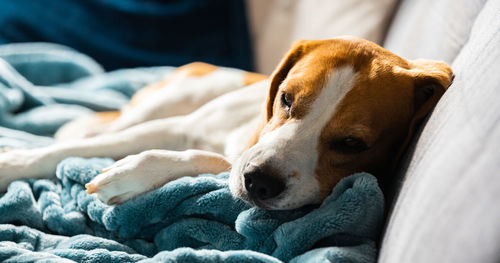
{"x":275,"y":24}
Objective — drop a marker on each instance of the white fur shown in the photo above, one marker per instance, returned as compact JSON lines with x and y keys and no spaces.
{"x":182,"y":95}
{"x":139,"y":173}
{"x":293,"y":147}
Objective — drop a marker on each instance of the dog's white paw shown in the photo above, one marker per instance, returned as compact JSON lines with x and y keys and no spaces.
{"x":127,"y":178}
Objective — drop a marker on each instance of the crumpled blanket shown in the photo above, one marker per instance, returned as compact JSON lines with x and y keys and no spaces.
{"x":43,"y":86}
{"x":192,"y":219}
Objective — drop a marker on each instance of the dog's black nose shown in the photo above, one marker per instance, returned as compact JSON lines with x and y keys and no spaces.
{"x":261,"y":185}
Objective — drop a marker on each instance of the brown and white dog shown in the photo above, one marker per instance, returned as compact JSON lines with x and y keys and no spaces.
{"x":331,"y":108}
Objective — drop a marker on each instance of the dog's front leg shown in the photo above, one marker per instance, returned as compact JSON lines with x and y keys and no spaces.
{"x":136,"y":174}
{"x":41,"y":163}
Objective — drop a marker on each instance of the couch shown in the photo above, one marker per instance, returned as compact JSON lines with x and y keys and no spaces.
{"x":443,"y":204}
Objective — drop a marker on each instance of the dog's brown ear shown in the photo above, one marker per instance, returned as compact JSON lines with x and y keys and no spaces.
{"x":431,"y":79}
{"x":280,"y":73}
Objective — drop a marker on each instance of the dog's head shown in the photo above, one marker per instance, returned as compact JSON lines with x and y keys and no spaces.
{"x":335,"y":107}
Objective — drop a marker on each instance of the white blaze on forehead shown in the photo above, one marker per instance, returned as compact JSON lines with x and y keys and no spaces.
{"x":339,"y":83}
{"x":292,"y":149}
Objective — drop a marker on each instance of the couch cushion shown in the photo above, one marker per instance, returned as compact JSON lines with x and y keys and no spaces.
{"x":432,"y":29}
{"x":276,"y":24}
{"x":447,"y":209}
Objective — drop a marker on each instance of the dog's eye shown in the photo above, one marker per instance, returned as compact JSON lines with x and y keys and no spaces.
{"x":286,"y":101}
{"x":349,"y":145}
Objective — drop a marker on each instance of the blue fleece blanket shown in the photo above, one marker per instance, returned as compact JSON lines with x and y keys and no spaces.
{"x":192,"y":219}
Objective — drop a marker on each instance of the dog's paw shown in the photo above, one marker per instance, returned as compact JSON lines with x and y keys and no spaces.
{"x":125,"y":179}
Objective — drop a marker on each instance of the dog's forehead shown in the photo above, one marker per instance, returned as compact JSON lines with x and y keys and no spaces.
{"x":320,"y":57}
{"x":375,"y":67}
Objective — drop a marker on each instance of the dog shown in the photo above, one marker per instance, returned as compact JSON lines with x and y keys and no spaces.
{"x":330,"y":109}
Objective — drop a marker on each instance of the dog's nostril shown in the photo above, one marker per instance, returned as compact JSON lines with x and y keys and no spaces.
{"x":262,"y":186}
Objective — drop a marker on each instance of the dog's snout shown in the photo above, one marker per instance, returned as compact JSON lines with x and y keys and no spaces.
{"x":261,"y":185}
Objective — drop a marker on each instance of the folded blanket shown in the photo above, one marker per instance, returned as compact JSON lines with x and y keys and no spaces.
{"x":192,"y":219}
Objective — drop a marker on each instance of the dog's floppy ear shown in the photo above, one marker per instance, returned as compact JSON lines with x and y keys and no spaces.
{"x":431,"y":79}
{"x":280,"y":73}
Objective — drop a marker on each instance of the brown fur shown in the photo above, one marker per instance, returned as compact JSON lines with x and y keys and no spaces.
{"x":107,"y":116}
{"x":251,"y":78}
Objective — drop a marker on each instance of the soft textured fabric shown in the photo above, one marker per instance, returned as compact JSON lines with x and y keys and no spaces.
{"x":59,"y":220}
{"x":277,"y":23}
{"x":447,"y":210}
{"x":135,"y":33}
{"x":432,"y":29}
{"x":43,"y":86}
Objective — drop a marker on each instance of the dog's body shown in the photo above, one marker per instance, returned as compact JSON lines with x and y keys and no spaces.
{"x":332,"y":108}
